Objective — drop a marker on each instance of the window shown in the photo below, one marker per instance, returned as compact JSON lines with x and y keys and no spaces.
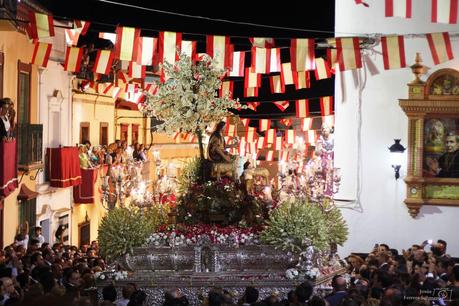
{"x":124,"y":132}
{"x":64,"y":221}
{"x":84,"y":230}
{"x":103,"y":136}
{"x":23,"y":99}
{"x":84,"y":131}
{"x":135,"y":134}
{"x":2,"y":60}
{"x":28,"y":212}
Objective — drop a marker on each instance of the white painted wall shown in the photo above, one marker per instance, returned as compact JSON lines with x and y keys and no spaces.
{"x":383,"y":217}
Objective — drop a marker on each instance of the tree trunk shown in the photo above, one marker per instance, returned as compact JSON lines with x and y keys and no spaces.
{"x":202,"y":161}
{"x":201,"y":146}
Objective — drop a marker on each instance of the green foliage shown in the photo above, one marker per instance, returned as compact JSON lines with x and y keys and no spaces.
{"x":122,"y":229}
{"x":190,"y":175}
{"x":295,"y":225}
{"x":337,"y":226}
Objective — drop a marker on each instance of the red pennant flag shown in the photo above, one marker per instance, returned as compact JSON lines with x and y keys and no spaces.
{"x":40,"y":25}
{"x":264,"y":124}
{"x":189,"y":48}
{"x":168,"y":43}
{"x":252,"y":79}
{"x":348,"y":51}
{"x":227,"y":89}
{"x":269,"y":155}
{"x":251,"y":134}
{"x":104,"y":61}
{"x":71,"y":37}
{"x":302,"y":108}
{"x":151,"y":88}
{"x":398,"y":8}
{"x":284,"y":155}
{"x":332,"y":59}
{"x":361,"y":2}
{"x":126,"y":41}
{"x":286,"y":122}
{"x":73,"y":59}
{"x":290,"y":136}
{"x":301,"y":79}
{"x":276,"y":84}
{"x":136,"y":71}
{"x":278,"y":143}
{"x":326,"y":106}
{"x":310,"y":136}
{"x":218,"y":49}
{"x":253,"y":105}
{"x":245,"y":122}
{"x":250,"y":92}
{"x":306,"y":124}
{"x":444,"y":11}
{"x":242,"y":145}
{"x":322,"y":69}
{"x":231,"y":130}
{"x":271,"y":135}
{"x":302,"y":54}
{"x":145,"y":51}
{"x":237,"y":67}
{"x":82,"y":26}
{"x":328,"y":120}
{"x":393,"y":50}
{"x":262,"y":42}
{"x":274,"y":60}
{"x":287,"y":74}
{"x":440,"y":47}
{"x":282,"y":105}
{"x":41,"y":54}
{"x":261,"y":143}
{"x":260,"y":60}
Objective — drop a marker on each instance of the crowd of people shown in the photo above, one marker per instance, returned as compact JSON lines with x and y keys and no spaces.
{"x":37,"y":273}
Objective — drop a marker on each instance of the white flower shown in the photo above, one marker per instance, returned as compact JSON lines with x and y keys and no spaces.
{"x":291,"y":273}
{"x":102,"y":276}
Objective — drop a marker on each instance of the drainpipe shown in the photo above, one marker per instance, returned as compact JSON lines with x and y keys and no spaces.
{"x":70,"y":112}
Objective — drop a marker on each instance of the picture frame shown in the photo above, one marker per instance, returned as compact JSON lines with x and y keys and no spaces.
{"x":433,"y":141}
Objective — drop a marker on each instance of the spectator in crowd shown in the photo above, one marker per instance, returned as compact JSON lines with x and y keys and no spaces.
{"x":126,"y":293}
{"x":38,"y":235}
{"x":108,"y":295}
{"x":339,"y":291}
{"x":138,"y":298}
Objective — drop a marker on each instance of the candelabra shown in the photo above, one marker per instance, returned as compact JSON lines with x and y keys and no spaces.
{"x":113,"y":190}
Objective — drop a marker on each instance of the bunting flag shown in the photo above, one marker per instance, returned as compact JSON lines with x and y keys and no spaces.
{"x":270,"y":135}
{"x":226,"y":89}
{"x":260,"y":60}
{"x":332,"y":59}
{"x":103,"y":63}
{"x":146,"y":50}
{"x":137,"y":71}
{"x":40,"y":25}
{"x":348,"y":52}
{"x":286,"y":74}
{"x":322,"y":69}
{"x":286,"y":122}
{"x":276,"y":84}
{"x":274,"y":60}
{"x":290,"y":136}
{"x":398,"y":8}
{"x":310,"y":136}
{"x":71,"y":37}
{"x":262,"y":42}
{"x":278,"y":143}
{"x":238,"y":62}
{"x":306,"y":124}
{"x":73,"y":57}
{"x":176,"y":137}
{"x":269,"y":155}
{"x":82,"y":26}
{"x":231,"y":130}
{"x":393,"y":50}
{"x":302,"y":108}
{"x":245,"y":122}
{"x":217,"y":48}
{"x":131,"y":88}
{"x":302,"y":54}
{"x":444,"y":11}
{"x":261,"y":143}
{"x":326,"y":106}
{"x":251,"y":134}
{"x":252,"y":79}
{"x":41,"y":54}
{"x":189,"y":48}
{"x":301,"y":79}
{"x":253,"y":105}
{"x":111,"y":90}
{"x":242,"y":145}
{"x":328,"y":120}
{"x":150,"y":88}
{"x":253,"y":148}
{"x":361,"y":2}
{"x":284,"y":155}
{"x":440,"y":47}
{"x":126,"y":41}
{"x":169,"y":42}
{"x":264,"y":124}
{"x":250,"y":92}
{"x":282,"y":105}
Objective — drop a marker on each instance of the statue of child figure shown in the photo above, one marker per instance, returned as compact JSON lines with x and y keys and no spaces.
{"x":247,"y":178}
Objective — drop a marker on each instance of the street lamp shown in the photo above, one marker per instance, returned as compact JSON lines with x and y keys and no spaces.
{"x":396,"y":151}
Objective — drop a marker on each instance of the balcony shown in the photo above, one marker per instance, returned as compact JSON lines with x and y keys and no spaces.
{"x":30,"y":146}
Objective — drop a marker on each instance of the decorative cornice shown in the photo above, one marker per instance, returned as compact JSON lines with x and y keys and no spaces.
{"x":429,"y":106}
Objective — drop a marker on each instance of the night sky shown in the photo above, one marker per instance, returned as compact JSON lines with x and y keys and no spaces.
{"x":291,"y":14}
